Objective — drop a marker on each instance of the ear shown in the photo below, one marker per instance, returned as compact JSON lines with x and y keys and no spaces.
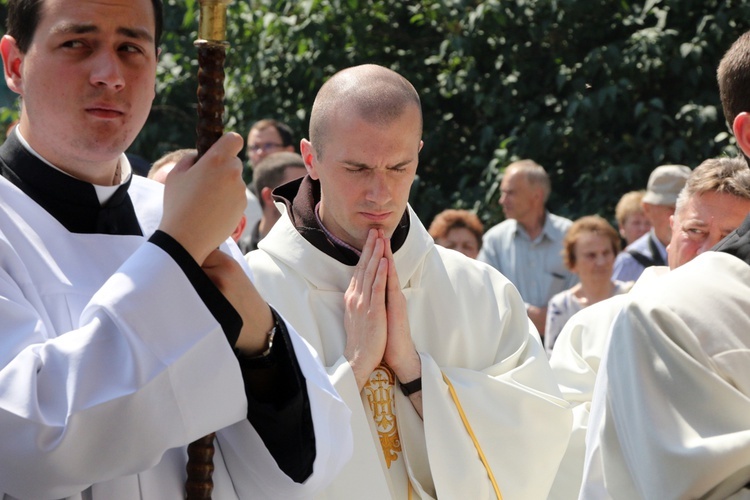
{"x":265,"y":193}
{"x":646,"y":210}
{"x":671,"y":222}
{"x":308,"y":156}
{"x":12,"y":60}
{"x":539,"y":195}
{"x":741,"y":129}
{"x":239,"y":229}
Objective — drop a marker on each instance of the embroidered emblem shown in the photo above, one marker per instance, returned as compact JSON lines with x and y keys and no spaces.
{"x":379,"y":394}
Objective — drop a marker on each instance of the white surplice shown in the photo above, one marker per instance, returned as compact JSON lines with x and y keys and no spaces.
{"x":670,"y":415}
{"x":110,"y":363}
{"x":468,"y":322}
{"x":575,"y":361}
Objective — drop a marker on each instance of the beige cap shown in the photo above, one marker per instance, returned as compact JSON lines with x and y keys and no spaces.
{"x":665,"y":183}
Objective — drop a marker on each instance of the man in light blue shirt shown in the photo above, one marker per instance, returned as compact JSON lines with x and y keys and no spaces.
{"x":664,"y":184}
{"x":527,"y":246}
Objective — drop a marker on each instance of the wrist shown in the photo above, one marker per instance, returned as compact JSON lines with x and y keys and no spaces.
{"x":409,"y":388}
{"x":268,"y":345}
{"x":361,"y":372}
{"x":256,"y":337}
{"x":408,"y":369}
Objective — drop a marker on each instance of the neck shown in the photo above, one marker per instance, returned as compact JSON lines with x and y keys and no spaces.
{"x":117,"y":178}
{"x":533,"y":225}
{"x":591,"y":292}
{"x":101,"y":173}
{"x":267,"y":221}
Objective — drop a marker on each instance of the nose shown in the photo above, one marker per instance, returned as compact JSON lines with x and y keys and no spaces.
{"x":379,"y":190}
{"x":106,"y":70}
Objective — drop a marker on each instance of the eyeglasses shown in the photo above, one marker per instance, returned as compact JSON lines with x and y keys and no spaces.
{"x":263,"y":148}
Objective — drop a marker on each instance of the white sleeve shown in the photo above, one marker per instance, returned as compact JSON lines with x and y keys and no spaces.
{"x":675,"y":386}
{"x":513,"y":406}
{"x":144,"y":360}
{"x":255,"y":475}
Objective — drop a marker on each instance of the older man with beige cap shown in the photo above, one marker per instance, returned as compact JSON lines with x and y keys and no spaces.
{"x":664,"y":184}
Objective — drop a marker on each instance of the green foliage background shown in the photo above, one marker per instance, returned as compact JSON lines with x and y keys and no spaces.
{"x":597,"y":91}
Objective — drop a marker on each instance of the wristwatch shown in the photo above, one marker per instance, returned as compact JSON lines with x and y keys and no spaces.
{"x":410,"y":388}
{"x":270,"y":335}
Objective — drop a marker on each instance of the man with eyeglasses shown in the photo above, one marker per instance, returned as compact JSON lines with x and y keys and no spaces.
{"x":266,"y":136}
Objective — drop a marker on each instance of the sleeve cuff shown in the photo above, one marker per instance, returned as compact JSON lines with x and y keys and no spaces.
{"x":221,"y":309}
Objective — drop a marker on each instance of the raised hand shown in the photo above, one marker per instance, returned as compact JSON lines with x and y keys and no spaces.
{"x":400,"y":352}
{"x":204,"y":201}
{"x":365,"y":318}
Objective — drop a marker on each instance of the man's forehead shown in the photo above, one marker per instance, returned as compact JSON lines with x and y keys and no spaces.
{"x":516,"y":179}
{"x":88,"y":16}
{"x":264,"y":131}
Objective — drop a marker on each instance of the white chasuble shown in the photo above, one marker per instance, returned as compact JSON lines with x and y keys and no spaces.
{"x":468,"y":323}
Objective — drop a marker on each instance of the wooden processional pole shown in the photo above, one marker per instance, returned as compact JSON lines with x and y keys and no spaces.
{"x":211,"y":46}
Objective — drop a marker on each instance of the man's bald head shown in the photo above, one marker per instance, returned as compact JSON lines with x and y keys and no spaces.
{"x":375,"y":93}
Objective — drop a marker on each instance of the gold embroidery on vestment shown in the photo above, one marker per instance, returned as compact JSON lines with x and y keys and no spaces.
{"x":379,"y":394}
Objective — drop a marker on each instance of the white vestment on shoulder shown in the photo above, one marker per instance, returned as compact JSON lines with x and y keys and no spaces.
{"x":575,"y":361}
{"x":469,"y":323}
{"x":670,"y":415}
{"x":111,"y":363}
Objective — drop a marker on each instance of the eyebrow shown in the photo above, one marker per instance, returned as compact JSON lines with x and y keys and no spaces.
{"x":696,"y":222}
{"x":365,"y":165}
{"x":82,"y":29}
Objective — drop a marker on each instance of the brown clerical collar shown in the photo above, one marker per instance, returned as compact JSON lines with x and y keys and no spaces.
{"x":301,"y":197}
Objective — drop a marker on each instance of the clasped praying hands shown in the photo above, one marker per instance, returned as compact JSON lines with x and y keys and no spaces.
{"x":376,"y":320}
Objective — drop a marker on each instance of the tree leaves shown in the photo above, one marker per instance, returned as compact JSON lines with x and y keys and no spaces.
{"x":598,"y":92}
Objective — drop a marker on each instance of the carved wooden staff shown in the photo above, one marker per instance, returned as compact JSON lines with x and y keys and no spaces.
{"x":211,"y":45}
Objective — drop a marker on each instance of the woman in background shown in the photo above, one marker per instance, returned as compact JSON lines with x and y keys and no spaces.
{"x":631,"y":220}
{"x":459,"y":230}
{"x":589,"y":250}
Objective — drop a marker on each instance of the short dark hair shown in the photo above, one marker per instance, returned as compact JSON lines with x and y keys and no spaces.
{"x":270,"y":170}
{"x":374,"y":93}
{"x":284,"y":130}
{"x":733,"y":76}
{"x":23,"y":19}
